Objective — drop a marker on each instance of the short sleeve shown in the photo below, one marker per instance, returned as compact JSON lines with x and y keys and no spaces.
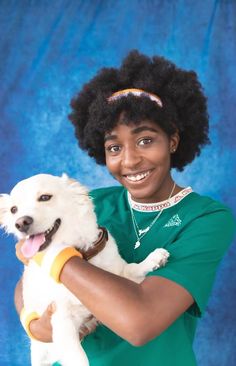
{"x":196,"y":254}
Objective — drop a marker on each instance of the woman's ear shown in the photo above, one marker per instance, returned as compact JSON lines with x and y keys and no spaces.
{"x":174,"y":142}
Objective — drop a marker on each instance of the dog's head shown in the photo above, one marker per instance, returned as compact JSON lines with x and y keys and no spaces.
{"x":43,"y":208}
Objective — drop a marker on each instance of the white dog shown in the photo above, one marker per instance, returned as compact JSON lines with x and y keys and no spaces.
{"x":48,"y":211}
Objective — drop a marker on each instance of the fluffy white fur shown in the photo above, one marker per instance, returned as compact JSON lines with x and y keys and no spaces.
{"x":69,"y":202}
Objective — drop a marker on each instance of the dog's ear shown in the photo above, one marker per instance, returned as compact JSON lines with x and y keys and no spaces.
{"x":64,"y":176}
{"x":74,"y":185}
{"x":67,"y":179}
{"x":4,"y":202}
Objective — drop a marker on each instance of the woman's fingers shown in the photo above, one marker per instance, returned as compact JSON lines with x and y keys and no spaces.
{"x":88,"y":327}
{"x":51,"y":309}
{"x":42,"y":327}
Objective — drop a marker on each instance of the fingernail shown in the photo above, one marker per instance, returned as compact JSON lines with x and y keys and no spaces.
{"x":53,"y":307}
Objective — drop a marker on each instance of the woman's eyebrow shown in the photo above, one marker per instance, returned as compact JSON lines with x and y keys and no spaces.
{"x":143,"y":128}
{"x":110,"y":137}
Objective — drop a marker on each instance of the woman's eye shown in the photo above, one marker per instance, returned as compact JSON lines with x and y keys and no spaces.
{"x":145,"y":141}
{"x":113,"y":148}
{"x":44,"y":197}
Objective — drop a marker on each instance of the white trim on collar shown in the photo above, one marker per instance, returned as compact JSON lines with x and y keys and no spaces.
{"x":158,"y":206}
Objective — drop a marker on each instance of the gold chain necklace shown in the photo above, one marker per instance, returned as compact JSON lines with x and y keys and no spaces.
{"x":140,"y":233}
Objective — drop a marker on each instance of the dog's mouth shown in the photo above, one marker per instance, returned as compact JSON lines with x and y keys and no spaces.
{"x":38,"y":242}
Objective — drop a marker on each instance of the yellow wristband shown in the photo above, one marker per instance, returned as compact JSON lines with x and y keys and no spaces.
{"x":61,"y":260}
{"x":53,"y":260}
{"x":26,"y":318}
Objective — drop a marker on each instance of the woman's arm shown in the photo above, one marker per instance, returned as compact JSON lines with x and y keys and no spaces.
{"x":136,"y":312}
{"x":18,"y":298}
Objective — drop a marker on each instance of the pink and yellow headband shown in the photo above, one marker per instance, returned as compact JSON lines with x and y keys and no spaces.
{"x":137,"y":93}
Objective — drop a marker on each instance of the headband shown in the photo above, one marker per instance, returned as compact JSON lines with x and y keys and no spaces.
{"x":137,"y":93}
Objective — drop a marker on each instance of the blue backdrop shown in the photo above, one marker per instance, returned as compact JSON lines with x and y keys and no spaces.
{"x":48,"y":49}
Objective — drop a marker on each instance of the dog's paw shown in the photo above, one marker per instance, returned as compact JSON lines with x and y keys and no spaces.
{"x":158,"y":258}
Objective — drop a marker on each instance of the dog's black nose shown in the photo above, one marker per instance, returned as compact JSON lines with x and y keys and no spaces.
{"x":23,"y":223}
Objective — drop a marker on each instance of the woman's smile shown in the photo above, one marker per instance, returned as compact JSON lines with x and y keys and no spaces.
{"x":137,"y":177}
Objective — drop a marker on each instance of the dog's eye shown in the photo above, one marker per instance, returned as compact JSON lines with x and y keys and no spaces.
{"x":13,"y":209}
{"x":45,"y":197}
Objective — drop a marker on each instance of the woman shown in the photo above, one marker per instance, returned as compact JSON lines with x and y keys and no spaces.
{"x":141,"y":120}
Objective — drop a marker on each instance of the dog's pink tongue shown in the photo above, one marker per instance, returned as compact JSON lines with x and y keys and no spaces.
{"x":31,"y":246}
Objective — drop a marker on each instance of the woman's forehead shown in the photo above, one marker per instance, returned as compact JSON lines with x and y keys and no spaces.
{"x":133,"y":128}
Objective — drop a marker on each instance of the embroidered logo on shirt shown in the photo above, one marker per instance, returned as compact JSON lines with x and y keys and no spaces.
{"x":174,"y":221}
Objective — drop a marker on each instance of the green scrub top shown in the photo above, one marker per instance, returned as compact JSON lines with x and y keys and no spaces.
{"x":196,"y":231}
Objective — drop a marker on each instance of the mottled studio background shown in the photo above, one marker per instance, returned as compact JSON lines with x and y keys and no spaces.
{"x":48,"y":49}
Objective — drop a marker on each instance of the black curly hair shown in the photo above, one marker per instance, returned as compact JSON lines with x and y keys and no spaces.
{"x":184,"y":105}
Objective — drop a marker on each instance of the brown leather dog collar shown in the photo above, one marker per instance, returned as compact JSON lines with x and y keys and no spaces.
{"x":98,"y":245}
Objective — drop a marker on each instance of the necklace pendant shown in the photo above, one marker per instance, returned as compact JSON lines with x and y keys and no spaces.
{"x":142,"y":231}
{"x":137,"y":244}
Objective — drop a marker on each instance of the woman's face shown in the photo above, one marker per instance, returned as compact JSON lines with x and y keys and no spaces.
{"x":138,"y":156}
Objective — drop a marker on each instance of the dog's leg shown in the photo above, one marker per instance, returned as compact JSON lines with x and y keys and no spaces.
{"x":66,"y":340}
{"x":39,"y":354}
{"x":155,"y":260}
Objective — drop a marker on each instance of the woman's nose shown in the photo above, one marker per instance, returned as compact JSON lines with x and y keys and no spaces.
{"x":131,"y":158}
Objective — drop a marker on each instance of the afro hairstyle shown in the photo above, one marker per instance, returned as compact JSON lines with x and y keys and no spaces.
{"x":184,"y":106}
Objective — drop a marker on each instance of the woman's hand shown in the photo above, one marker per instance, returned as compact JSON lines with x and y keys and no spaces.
{"x":42,"y":328}
{"x":88,"y":327}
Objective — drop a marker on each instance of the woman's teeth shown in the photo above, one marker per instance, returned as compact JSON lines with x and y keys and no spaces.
{"x":137,"y":177}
